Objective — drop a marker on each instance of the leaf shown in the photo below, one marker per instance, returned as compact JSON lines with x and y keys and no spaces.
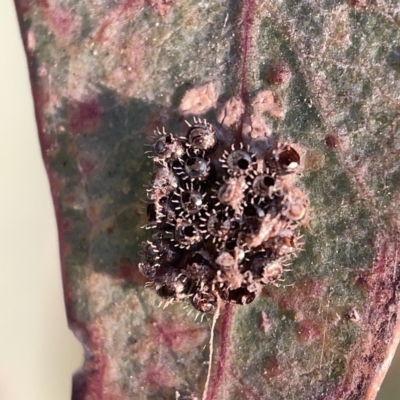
{"x":325,"y":74}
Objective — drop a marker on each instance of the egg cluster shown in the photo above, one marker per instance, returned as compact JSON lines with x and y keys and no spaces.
{"x":224,"y":219}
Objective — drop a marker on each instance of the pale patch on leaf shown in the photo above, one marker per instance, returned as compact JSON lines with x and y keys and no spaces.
{"x":265,"y":102}
{"x":199,"y":100}
{"x":230,"y":112}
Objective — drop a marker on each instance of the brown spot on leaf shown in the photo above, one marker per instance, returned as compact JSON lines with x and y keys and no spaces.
{"x":24,"y":6}
{"x":95,"y":210}
{"x":64,"y":24}
{"x":126,"y":67}
{"x":85,"y":116}
{"x":75,"y":201}
{"x":278,"y":74}
{"x":273,"y":368}
{"x":122,"y":51}
{"x":41,"y":96}
{"x":313,"y":288}
{"x":49,"y":144}
{"x":359,"y":3}
{"x":256,"y":128}
{"x":331,"y":141}
{"x":199,"y":100}
{"x":176,"y":336}
{"x":308,"y":331}
{"x":298,"y":316}
{"x":314,"y":160}
{"x":67,"y":225}
{"x":304,"y":289}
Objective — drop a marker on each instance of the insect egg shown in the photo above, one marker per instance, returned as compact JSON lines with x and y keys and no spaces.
{"x":226,"y":192}
{"x":263,"y":185}
{"x":295,"y":208}
{"x":196,"y":168}
{"x":231,"y":189}
{"x":161,"y":146}
{"x":204,"y":302}
{"x":296,"y":211}
{"x":199,"y":268}
{"x":167,"y":148}
{"x":287,"y":158}
{"x":218,"y":225}
{"x":172,"y":284}
{"x":239,"y":161}
{"x":230,"y":244}
{"x":192,"y":202}
{"x":253,"y":211}
{"x":187,"y":234}
{"x":166,"y":289}
{"x":225,"y":219}
{"x":258,"y":263}
{"x":148,"y":270}
{"x":151,"y":252}
{"x":168,"y":253}
{"x":202,"y":137}
{"x":241,"y":296}
{"x":165,"y":214}
{"x":166,"y":179}
{"x":252,"y":219}
{"x":232,"y":193}
{"x":272,"y":271}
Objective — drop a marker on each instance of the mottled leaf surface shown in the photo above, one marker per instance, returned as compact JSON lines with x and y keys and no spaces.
{"x":106,"y":73}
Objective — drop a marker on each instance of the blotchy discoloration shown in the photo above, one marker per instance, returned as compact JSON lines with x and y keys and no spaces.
{"x":178,"y":337}
{"x":64,"y":23}
{"x":333,"y":71}
{"x":85,"y":116}
{"x":381,"y":325}
{"x":265,"y":102}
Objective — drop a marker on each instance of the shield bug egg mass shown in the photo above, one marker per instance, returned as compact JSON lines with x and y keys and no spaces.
{"x":224,"y":220}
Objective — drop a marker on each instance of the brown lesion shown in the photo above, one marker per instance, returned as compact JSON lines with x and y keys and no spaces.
{"x":278,"y":74}
{"x":85,"y":116}
{"x":367,"y":365}
{"x":332,"y":141}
